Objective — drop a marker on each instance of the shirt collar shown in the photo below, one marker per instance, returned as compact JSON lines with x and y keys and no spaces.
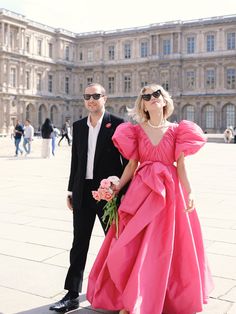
{"x":99,"y":121}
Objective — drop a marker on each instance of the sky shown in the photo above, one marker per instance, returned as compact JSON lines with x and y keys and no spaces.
{"x":103,"y":15}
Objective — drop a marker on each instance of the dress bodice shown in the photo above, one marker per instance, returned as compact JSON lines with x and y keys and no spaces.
{"x":134,"y":143}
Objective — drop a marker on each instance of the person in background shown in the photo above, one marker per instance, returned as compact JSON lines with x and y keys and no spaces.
{"x":158,"y":263}
{"x":46,"y":132}
{"x":55,"y":134}
{"x":94,"y":157}
{"x":18,"y":133}
{"x":28,"y":136}
{"x":65,"y":132}
{"x":234,"y":133}
{"x":228,"y":135}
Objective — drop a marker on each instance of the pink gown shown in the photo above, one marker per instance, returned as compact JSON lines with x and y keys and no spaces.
{"x":158,"y":264}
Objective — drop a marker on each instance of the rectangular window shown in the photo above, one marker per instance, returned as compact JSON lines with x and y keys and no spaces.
{"x":231,"y":41}
{"x":127,"y":51}
{"x":165,"y":85}
{"x":111,"y":84}
{"x":50,"y":81}
{"x":81,"y":56}
{"x":27,"y":78}
{"x":67,"y":85}
{"x":111,"y":52}
{"x":127,"y":83}
{"x":90,"y":54}
{"x":39,"y":82}
{"x":190,"y":45}
{"x":39,"y":47}
{"x":144,"y":83}
{"x":50,"y":50}
{"x":210,"y":78}
{"x":67,"y":53}
{"x":210,"y":43}
{"x":231,"y":78}
{"x":144,"y":49}
{"x":89,"y":80}
{"x":13,"y":77}
{"x":166,"y":46}
{"x":190,"y":79}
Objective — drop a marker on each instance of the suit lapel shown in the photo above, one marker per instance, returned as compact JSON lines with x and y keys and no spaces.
{"x":102,"y":136}
{"x":84,"y":139}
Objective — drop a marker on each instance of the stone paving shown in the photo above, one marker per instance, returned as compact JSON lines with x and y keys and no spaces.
{"x":35,"y":227}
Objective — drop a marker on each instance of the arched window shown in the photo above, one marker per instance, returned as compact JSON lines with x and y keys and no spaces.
{"x":188,"y":112}
{"x":53,"y":114}
{"x":41,"y":114}
{"x":228,"y":115}
{"x":209,"y":117}
{"x":110,"y":109}
{"x":123,"y":112}
{"x":29,"y":112}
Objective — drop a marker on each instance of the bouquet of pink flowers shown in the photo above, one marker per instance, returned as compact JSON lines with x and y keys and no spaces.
{"x":106,"y":192}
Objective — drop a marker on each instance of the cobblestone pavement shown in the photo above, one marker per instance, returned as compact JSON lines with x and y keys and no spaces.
{"x":35,"y":227}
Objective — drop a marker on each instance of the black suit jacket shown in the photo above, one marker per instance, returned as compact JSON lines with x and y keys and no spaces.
{"x":107,"y":160}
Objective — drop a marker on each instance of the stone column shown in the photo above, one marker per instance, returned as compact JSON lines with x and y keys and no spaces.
{"x":3,"y":34}
{"x":19,"y":42}
{"x":4,"y":127}
{"x":221,"y":40}
{"x":158,"y":45}
{"x":198,"y":113}
{"x":153,"y":45}
{"x":200,"y":78}
{"x":119,"y":83}
{"x":220,"y":76}
{"x":8,"y":36}
{"x":218,"y":117}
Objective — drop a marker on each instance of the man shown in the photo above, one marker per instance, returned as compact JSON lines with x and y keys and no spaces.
{"x":94,"y":157}
{"x":65,"y":132}
{"x":18,"y":132}
{"x":28,"y":136}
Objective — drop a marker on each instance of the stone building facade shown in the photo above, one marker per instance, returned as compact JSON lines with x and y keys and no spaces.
{"x":43,"y":70}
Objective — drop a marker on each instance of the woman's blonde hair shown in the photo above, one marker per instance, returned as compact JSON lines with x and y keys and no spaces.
{"x":138,"y":113}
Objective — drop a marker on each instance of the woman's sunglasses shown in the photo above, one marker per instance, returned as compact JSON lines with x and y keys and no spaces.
{"x":95,"y":96}
{"x":155,"y":94}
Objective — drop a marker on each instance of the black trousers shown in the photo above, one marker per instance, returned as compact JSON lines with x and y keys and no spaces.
{"x":83,"y":221}
{"x":66,"y":136}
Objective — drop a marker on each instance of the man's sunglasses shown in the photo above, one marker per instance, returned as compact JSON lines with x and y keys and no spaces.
{"x":155,"y":94}
{"x":95,"y":96}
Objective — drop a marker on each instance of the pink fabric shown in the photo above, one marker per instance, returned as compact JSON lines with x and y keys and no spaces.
{"x":158,"y":264}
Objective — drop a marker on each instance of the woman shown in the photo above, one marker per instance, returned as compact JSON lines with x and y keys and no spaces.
{"x":46,"y":132}
{"x":158,"y":264}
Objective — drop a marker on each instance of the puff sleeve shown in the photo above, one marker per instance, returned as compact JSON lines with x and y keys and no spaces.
{"x":125,"y":139}
{"x":189,"y":138}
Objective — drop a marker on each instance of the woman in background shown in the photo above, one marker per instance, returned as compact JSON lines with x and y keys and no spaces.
{"x":46,"y":132}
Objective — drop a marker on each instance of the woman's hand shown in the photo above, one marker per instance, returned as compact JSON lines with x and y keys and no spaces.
{"x":116,"y":188}
{"x":190,"y":203}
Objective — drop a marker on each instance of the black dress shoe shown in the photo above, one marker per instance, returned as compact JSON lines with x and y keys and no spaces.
{"x":65,"y":305}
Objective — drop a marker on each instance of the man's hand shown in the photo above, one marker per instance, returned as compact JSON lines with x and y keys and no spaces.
{"x":69,"y":202}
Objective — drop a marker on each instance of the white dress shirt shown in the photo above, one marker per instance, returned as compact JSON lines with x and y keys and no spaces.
{"x":92,"y":142}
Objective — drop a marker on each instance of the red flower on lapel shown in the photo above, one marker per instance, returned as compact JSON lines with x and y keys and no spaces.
{"x":108,"y":125}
